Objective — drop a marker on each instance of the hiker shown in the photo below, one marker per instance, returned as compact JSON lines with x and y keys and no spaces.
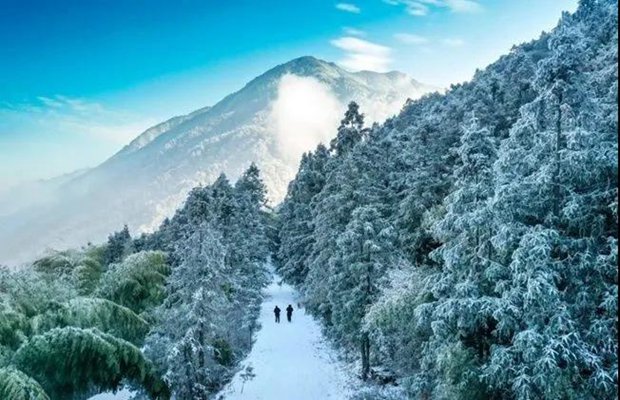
{"x":276,"y":311}
{"x":289,"y":312}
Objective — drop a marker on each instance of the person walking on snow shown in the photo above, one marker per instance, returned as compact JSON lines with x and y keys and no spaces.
{"x":289,"y":312}
{"x":276,"y":311}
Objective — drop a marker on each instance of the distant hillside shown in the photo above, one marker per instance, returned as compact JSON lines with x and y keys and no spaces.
{"x":271,"y":121}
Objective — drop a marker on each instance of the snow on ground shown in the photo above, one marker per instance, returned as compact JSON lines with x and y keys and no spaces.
{"x":289,"y":360}
{"x":123,"y":394}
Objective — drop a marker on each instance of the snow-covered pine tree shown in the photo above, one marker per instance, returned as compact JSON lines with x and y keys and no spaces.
{"x":213,"y":296}
{"x":423,"y":168}
{"x":547,"y":292}
{"x":350,"y":132}
{"x":181,"y":343}
{"x":557,"y":175}
{"x":464,"y":290}
{"x":119,"y":245}
{"x":249,"y":239}
{"x":296,"y":233}
{"x":332,"y":208}
{"x":249,"y":246}
{"x":365,"y":252}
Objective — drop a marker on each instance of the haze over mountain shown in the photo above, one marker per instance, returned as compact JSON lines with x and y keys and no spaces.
{"x":271,"y":121}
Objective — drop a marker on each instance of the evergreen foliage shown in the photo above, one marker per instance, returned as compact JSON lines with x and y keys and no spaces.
{"x":137,"y":282}
{"x":69,"y":326}
{"x":71,"y":361}
{"x":218,"y":245}
{"x":57,"y":345}
{"x":16,"y":385}
{"x":498,"y":278}
{"x":296,"y":233}
{"x":119,"y":245}
{"x":469,"y":245}
{"x":87,"y":312}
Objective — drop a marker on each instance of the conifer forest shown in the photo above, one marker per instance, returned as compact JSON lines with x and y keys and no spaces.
{"x":465,"y":248}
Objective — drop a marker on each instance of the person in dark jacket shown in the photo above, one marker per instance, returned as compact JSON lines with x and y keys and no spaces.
{"x":276,"y":311}
{"x":289,"y":312}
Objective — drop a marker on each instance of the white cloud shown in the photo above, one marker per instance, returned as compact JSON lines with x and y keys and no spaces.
{"x":421,"y":8}
{"x":348,"y":7}
{"x":353,"y":31}
{"x":363,"y":55}
{"x":304,"y":114}
{"x":463,"y":6}
{"x":75,"y":116}
{"x":453,"y":42}
{"x":416,"y":9}
{"x":408,"y":38}
{"x":52,"y":135}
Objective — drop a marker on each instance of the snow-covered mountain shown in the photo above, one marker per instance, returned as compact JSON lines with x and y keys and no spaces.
{"x":271,"y":121}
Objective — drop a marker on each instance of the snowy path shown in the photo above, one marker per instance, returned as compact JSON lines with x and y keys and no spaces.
{"x":290,"y":361}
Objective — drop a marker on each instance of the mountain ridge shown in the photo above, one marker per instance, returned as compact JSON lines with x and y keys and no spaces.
{"x":269,"y":121}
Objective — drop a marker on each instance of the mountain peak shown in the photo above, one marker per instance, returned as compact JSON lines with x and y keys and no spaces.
{"x":305,"y":66}
{"x":396,"y":74}
{"x":270,"y":121}
{"x":306,"y":60}
{"x":309,"y":61}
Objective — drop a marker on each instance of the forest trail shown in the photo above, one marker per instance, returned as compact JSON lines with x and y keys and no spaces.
{"x":288,"y":360}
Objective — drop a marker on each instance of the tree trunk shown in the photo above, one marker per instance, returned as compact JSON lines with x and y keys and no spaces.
{"x":557,"y":160}
{"x":365,"y":348}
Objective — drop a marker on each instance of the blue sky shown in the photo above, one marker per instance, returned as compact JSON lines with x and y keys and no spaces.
{"x":78,"y":79}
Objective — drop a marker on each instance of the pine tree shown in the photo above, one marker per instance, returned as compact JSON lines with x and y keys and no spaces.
{"x":510,"y":290}
{"x":350,"y":132}
{"x":249,"y":239}
{"x":119,"y":245}
{"x":365,"y":252}
{"x":464,"y":291}
{"x":332,"y":209}
{"x":558,"y":236}
{"x":182,"y":342}
{"x":296,"y":234}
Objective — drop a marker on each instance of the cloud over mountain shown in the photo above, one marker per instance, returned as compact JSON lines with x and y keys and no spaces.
{"x":363,"y":55}
{"x":271,"y":121}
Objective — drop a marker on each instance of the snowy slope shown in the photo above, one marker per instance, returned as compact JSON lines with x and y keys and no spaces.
{"x":289,"y":360}
{"x":271,"y":121}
